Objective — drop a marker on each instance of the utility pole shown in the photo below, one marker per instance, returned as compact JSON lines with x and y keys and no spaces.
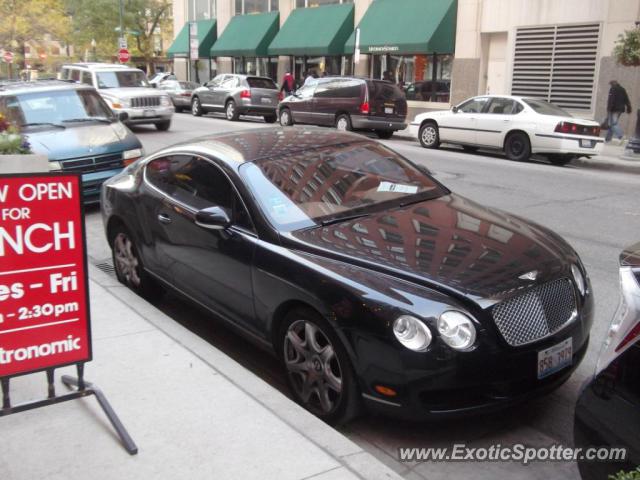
{"x":121,"y":26}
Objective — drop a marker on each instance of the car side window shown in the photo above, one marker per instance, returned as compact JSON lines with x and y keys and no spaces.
{"x":518,"y":108}
{"x":326,"y":89}
{"x":215,"y":83}
{"x":475,"y":105}
{"x":75,"y":75}
{"x":229,"y":82}
{"x":86,"y":78}
{"x":502,"y":106}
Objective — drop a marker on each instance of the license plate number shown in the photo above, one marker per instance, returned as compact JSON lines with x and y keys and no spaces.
{"x":149,"y":113}
{"x":555,"y":358}
{"x":587,"y":143}
{"x":388,"y":110}
{"x":266,"y":100}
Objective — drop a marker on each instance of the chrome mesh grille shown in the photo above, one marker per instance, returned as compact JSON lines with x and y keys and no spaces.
{"x":93,"y":164}
{"x":141,"y":102}
{"x":537,"y":313}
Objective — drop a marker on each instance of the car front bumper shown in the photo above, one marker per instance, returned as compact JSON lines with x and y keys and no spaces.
{"x":363,"y":122}
{"x":444,"y":383}
{"x":566,"y":145}
{"x":146,"y":115}
{"x":92,"y":183}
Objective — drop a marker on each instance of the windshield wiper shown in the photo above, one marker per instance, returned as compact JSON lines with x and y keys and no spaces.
{"x":88,"y":119}
{"x":344,"y":218}
{"x":38,"y":124}
{"x":418,"y":198}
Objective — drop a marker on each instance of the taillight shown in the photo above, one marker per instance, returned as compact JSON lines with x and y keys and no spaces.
{"x":364,"y":108}
{"x":245,"y":94}
{"x":569,"y":127}
{"x":185,"y":94}
{"x":629,"y":337}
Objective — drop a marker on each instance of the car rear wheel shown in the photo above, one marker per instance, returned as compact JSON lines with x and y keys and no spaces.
{"x":384,"y":134}
{"x":231,"y":111}
{"x":318,"y":369}
{"x":517,"y":147}
{"x":196,"y":107}
{"x":286,"y":120}
{"x":270,"y":118}
{"x":560,"y":160}
{"x":429,"y":136}
{"x":163,"y":126}
{"x":343,"y":123}
{"x":128,"y":265}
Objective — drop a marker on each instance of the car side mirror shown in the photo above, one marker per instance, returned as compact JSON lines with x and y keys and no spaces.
{"x":123,"y":116}
{"x":154,"y":85}
{"x":454,"y":109}
{"x":213,"y":218}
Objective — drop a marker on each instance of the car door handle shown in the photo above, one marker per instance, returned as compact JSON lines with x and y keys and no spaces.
{"x":164,"y":218}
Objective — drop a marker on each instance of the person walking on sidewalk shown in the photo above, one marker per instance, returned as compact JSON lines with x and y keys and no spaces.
{"x":288,"y":84}
{"x":617,"y":103}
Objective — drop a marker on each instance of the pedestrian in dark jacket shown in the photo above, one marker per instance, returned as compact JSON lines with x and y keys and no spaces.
{"x":617,"y":103}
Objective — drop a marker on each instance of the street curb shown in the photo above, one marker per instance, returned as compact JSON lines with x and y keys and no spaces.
{"x":345,"y":452}
{"x":601,"y":162}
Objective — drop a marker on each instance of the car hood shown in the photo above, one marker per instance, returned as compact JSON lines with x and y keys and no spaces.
{"x":82,"y":141}
{"x":451,"y":244}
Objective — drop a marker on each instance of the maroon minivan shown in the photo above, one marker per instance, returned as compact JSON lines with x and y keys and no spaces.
{"x":348,"y":104}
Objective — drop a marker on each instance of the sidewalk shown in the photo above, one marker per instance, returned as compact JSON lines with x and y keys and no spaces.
{"x":610,"y":159}
{"x":193,"y":412}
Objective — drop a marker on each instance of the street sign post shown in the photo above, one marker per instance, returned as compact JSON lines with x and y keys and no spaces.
{"x":8,"y":57}
{"x":122,"y":43}
{"x":123,"y":55}
{"x":356,"y":53}
{"x":44,"y":294}
{"x":194,"y":45}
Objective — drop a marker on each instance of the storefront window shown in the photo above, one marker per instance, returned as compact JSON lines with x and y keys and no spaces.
{"x":318,"y":66}
{"x":423,"y":77}
{"x":262,"y":66}
{"x":246,"y":7}
{"x":202,"y":9}
{"x":317,"y":3}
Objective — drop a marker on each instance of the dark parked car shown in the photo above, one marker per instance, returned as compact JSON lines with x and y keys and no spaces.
{"x":347,"y":104}
{"x":608,"y":409}
{"x":73,"y":126}
{"x":368,"y":278}
{"x":180,"y":93}
{"x":237,"y":95}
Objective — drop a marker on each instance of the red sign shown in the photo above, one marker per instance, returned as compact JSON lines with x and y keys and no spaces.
{"x":44,"y":307}
{"x":8,"y":57}
{"x":123,"y":55}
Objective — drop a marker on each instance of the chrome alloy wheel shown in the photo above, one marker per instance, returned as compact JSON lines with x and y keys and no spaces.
{"x":126,"y":260}
{"x":342,"y":124}
{"x":313,"y":366}
{"x":231,"y":110}
{"x":429,"y":135}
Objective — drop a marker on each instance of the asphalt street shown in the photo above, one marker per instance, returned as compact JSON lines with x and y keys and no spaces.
{"x":596,"y":211}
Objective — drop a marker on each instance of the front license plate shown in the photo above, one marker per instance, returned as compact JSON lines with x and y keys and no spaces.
{"x":149,"y":113}
{"x":388,"y":110}
{"x":555,"y":358}
{"x":587,"y":143}
{"x":266,"y":100}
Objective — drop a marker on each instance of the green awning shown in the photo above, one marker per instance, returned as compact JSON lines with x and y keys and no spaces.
{"x":247,"y":36}
{"x":206,"y":37}
{"x":417,"y":26}
{"x":314,"y":31}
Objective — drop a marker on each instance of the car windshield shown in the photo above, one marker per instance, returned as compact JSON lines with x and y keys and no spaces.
{"x":545,"y":108}
{"x":55,"y":108}
{"x":317,"y":186}
{"x":120,"y":79}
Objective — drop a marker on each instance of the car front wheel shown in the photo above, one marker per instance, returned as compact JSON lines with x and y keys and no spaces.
{"x":517,"y":147}
{"x":285,"y":117}
{"x":128,"y":265}
{"x":231,"y":111}
{"x":343,"y":123}
{"x":163,"y":126}
{"x":196,"y":107}
{"x":429,"y":136}
{"x":318,"y":369}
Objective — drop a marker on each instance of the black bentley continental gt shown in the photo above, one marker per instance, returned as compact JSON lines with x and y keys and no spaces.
{"x":372,"y":282}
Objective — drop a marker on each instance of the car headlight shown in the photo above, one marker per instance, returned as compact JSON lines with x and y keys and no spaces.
{"x":165,"y":101}
{"x":578,"y":278}
{"x":456,"y":329}
{"x":130,"y":156}
{"x":412,"y":333}
{"x":120,"y":103}
{"x":55,"y":166}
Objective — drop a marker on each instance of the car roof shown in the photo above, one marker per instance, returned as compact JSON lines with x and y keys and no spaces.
{"x":13,"y":88}
{"x":99,"y":66}
{"x":237,"y":148}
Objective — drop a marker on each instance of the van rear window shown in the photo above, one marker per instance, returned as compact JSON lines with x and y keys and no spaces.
{"x":257,"y":82}
{"x":384,"y":91}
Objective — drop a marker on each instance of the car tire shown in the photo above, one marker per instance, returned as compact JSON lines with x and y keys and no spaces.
{"x":163,"y":126}
{"x":517,"y":147}
{"x":384,"y":134}
{"x":469,"y":148}
{"x":343,"y":123}
{"x":128,"y":264}
{"x":319,"y":372}
{"x":429,"y":135}
{"x":560,"y":160}
{"x":270,"y":118}
{"x":286,"y":120}
{"x":196,"y":107}
{"x":231,"y":111}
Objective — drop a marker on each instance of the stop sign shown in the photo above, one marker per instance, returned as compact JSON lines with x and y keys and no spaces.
{"x":123,"y":55}
{"x":7,"y":57}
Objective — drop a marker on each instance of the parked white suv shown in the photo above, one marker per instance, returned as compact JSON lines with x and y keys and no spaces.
{"x":125,"y":89}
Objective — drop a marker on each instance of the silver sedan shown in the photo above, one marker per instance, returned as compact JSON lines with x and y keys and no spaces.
{"x":180,"y":92}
